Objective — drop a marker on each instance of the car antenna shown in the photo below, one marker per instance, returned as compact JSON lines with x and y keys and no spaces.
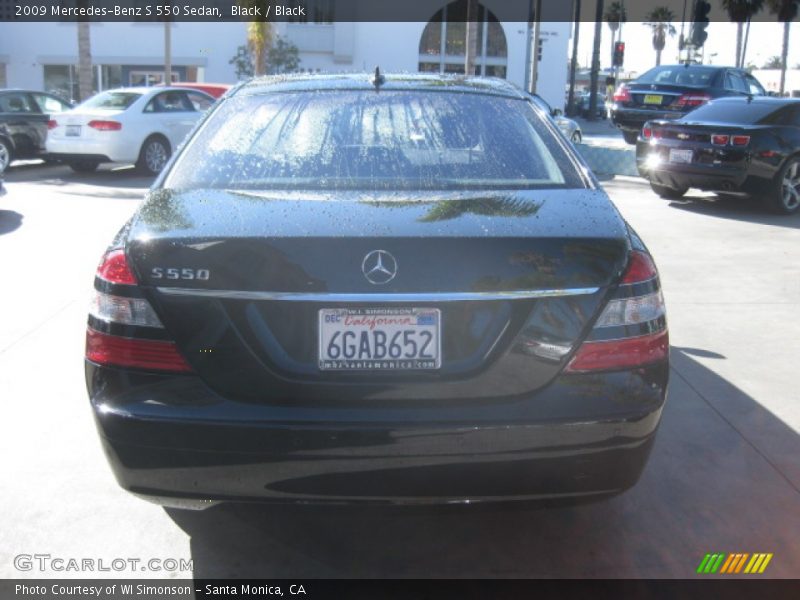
{"x":378,"y":80}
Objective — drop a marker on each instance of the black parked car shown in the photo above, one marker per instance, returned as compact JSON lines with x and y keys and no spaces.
{"x":732,"y":146}
{"x":392,"y":289}
{"x":583,"y":103}
{"x":669,"y":92}
{"x":24,"y":117}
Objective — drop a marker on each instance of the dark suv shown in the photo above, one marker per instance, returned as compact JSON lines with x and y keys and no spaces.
{"x":23,"y":123}
{"x":669,"y":92}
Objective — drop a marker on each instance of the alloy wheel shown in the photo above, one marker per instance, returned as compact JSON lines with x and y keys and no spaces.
{"x":790,"y":186}
{"x":5,"y":156}
{"x":155,"y":156}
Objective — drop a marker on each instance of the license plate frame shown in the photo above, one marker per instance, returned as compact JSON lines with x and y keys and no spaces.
{"x":73,"y":131}
{"x":681,"y":156}
{"x":393,"y":322}
{"x":653,"y":99}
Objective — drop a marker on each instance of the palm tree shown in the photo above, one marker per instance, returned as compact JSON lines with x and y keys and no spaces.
{"x":614,"y":17}
{"x":659,"y":20}
{"x":84,"y":61}
{"x":84,"y":57}
{"x":786,"y":11}
{"x":259,"y":39}
{"x":740,"y":12}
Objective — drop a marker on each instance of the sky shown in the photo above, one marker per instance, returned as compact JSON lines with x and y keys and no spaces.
{"x":764,"y":42}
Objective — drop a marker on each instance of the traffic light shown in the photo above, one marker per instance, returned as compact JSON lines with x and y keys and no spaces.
{"x":539,"y":50}
{"x":700,"y":22}
{"x":619,"y":54}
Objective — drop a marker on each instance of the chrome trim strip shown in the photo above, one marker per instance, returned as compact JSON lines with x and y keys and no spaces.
{"x":366,"y":298}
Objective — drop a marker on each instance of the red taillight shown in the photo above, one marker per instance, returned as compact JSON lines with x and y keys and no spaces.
{"x":52,"y":124}
{"x":114,"y":268}
{"x":620,"y":354}
{"x":114,"y":350}
{"x":740,"y":140}
{"x":640,"y":268}
{"x":719,"y":139}
{"x":622,"y":94}
{"x":631,"y":330}
{"x":647,"y":133}
{"x":105,"y":125}
{"x":692,"y":100}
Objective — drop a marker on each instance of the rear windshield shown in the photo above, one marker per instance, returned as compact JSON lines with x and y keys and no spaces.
{"x":724,"y":111}
{"x":680,"y":75}
{"x":374,"y":140}
{"x":112,"y":100}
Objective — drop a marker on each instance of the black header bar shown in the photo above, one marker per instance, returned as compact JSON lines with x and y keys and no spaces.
{"x":329,"y":11}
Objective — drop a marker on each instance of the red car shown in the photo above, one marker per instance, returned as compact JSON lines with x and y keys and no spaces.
{"x":213,"y":89}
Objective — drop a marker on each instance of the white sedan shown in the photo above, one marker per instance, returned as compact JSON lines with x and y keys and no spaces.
{"x":126,"y":125}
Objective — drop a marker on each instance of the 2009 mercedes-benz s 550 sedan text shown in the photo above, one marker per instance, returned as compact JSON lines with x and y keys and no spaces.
{"x":400,"y":289}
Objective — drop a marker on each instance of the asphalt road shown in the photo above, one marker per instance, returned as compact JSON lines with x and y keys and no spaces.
{"x":724,"y":475}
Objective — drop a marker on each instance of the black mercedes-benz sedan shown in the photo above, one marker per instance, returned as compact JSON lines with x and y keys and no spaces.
{"x":671,"y":91}
{"x":399,"y":289}
{"x":732,"y":146}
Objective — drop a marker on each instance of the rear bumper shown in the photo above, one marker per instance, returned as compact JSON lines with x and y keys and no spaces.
{"x":65,"y":157}
{"x":704,"y":176}
{"x":633,"y":119}
{"x":91,"y":149}
{"x":174,"y":441}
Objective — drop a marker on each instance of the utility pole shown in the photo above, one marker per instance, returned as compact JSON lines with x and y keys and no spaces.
{"x":528,"y":42}
{"x":598,"y":32}
{"x":472,"y":38}
{"x":537,"y":33}
{"x":574,"y":66}
{"x":167,"y":53}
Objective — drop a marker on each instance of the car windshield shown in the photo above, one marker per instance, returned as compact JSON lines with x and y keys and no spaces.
{"x":724,"y":111}
{"x":111,"y":100}
{"x":680,"y":75}
{"x":374,"y":140}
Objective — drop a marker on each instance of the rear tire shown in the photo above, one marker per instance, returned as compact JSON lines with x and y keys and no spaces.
{"x":84,"y":166}
{"x":154,"y":155}
{"x":576,"y":137}
{"x":5,"y":155}
{"x":630,"y":136}
{"x":668,"y":192}
{"x":784,"y":197}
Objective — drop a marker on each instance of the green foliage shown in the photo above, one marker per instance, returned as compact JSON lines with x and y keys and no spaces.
{"x":284,"y":57}
{"x":614,"y":15}
{"x":243,"y":62}
{"x":742,"y":10}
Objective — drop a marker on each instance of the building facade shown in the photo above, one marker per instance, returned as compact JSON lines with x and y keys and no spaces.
{"x":44,"y":56}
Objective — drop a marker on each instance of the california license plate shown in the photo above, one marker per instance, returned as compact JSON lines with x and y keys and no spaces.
{"x":73,"y":131}
{"x":379,"y":339}
{"x":653,"y":99}
{"x":680,"y":156}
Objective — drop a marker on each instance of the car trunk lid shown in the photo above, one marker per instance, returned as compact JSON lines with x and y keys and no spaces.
{"x":239,"y":279}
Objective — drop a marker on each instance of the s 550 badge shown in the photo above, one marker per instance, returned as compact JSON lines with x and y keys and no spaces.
{"x":178,"y":273}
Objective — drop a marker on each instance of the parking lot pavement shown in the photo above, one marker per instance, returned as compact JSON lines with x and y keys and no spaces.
{"x":723,"y":477}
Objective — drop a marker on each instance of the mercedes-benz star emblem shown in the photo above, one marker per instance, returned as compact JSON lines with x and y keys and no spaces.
{"x":379,"y":267}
